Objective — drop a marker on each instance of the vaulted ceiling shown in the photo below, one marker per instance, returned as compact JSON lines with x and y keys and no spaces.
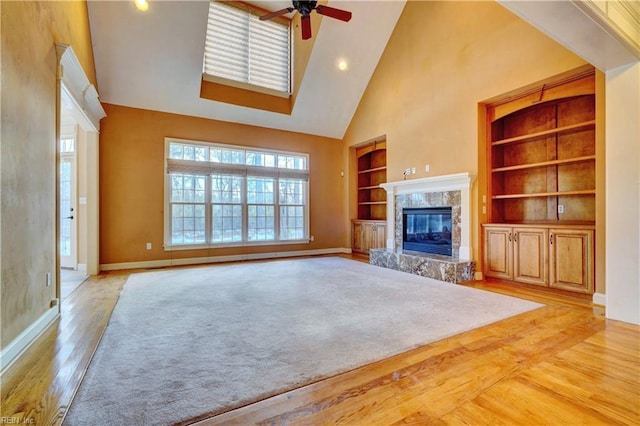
{"x":153,"y":60}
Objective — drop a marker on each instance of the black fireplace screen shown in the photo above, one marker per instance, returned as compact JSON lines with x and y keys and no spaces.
{"x":427,"y":229}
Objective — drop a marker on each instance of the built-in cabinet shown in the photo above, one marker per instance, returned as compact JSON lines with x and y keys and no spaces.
{"x":541,"y":185}
{"x":369,"y":229}
{"x":368,"y":234}
{"x":558,"y":257}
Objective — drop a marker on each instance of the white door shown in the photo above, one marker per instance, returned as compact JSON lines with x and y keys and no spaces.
{"x":68,"y":209}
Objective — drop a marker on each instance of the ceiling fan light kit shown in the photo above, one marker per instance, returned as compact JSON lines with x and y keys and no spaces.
{"x":304,"y":8}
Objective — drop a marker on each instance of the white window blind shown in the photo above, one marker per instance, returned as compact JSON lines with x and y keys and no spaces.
{"x":241,"y":48}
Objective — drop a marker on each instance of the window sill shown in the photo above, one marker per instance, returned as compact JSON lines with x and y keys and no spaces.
{"x":176,"y":247}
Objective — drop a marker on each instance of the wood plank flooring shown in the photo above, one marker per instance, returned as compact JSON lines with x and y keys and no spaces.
{"x":560,"y":364}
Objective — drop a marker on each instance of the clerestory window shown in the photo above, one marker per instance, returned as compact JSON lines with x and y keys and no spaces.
{"x":242,"y":51}
{"x":226,"y":195}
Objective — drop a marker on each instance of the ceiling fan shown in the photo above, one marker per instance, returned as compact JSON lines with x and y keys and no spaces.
{"x":304,"y":8}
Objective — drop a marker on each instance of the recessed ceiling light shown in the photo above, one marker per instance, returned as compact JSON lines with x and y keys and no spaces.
{"x":142,"y":5}
{"x":343,"y":65}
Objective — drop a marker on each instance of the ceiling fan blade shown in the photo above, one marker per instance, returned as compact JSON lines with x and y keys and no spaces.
{"x":332,"y":12}
{"x":306,"y":27}
{"x":276,"y":14}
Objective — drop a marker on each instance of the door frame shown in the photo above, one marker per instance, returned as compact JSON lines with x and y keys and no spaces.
{"x":78,"y":96}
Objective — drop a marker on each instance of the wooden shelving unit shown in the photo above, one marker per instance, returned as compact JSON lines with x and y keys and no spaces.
{"x":372,"y":171}
{"x":541,"y":187}
{"x":542,"y":163}
{"x":369,"y":229}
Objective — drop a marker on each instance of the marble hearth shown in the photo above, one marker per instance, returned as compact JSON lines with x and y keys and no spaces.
{"x":441,"y":191}
{"x":438,"y":267}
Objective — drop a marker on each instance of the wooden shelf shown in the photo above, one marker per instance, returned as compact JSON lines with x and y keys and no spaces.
{"x":545,"y":163}
{"x":375,"y":169}
{"x":564,"y":129}
{"x":545,"y":194}
{"x":371,"y":203}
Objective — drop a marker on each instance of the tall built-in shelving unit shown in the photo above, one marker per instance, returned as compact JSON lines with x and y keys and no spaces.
{"x":541,"y":186}
{"x":372,"y":171}
{"x":369,"y":227}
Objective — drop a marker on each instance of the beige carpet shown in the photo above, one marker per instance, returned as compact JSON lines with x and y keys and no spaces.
{"x":185,"y":343}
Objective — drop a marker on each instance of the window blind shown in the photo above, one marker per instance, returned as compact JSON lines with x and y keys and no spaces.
{"x":242,"y":48}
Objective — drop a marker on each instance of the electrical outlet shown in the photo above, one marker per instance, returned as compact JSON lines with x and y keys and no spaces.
{"x":560,"y":208}
{"x":413,"y":170}
{"x":148,"y":246}
{"x":426,"y":168}
{"x":312,"y":238}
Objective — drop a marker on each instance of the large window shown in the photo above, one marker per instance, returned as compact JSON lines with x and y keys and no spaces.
{"x":225,"y":195}
{"x":239,"y":48}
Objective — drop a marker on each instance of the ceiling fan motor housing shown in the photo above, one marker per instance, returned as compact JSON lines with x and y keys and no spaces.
{"x":304,"y":7}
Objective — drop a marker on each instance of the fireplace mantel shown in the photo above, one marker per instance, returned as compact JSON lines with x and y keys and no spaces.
{"x":455,"y":182}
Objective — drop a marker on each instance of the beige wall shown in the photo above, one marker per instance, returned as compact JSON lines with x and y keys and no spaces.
{"x":28,"y":157}
{"x":132,"y":181}
{"x":441,"y":61}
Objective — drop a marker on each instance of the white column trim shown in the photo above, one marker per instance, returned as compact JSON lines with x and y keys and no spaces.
{"x":77,"y":88}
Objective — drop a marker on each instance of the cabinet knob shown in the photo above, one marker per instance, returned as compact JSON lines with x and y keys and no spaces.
{"x":550,"y":239}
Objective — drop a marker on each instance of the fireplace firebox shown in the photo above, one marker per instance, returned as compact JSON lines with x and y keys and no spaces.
{"x":427,"y":230}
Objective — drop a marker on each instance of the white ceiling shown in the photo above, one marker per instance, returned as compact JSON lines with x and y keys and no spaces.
{"x":153,"y":60}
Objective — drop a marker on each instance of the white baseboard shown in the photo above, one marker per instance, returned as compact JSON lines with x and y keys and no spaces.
{"x":477,"y":276}
{"x":14,"y":349}
{"x":82,"y":267}
{"x":217,"y":259}
{"x":599,"y":299}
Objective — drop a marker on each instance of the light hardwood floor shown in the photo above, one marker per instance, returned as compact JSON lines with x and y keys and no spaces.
{"x":560,"y":364}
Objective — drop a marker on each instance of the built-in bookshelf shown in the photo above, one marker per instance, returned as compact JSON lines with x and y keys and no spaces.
{"x":372,"y":171}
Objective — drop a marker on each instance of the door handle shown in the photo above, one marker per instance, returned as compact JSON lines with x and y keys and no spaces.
{"x":69,"y":217}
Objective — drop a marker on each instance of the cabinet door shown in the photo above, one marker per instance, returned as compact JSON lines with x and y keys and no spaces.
{"x":356,"y":237}
{"x":380,"y":236}
{"x":498,"y":252}
{"x":530,"y":255}
{"x":571,"y":259}
{"x":367,"y":235}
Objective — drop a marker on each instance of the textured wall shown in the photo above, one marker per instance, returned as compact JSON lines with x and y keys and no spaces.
{"x":132,"y":181}
{"x":442,"y":60}
{"x":29,"y":32}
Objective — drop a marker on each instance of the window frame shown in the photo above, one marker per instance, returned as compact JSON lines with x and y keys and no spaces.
{"x":210,"y":168}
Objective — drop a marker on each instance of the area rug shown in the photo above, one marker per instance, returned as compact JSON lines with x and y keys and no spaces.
{"x":187,"y":343}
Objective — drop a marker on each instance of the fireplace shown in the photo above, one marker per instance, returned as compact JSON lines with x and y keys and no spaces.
{"x":427,"y":230}
{"x":450,"y":192}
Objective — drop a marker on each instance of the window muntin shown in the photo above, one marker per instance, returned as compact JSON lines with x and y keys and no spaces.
{"x":238,"y":196}
{"x":241,"y":48}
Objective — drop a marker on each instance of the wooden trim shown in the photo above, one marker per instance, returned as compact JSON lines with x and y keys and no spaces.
{"x":572,"y":83}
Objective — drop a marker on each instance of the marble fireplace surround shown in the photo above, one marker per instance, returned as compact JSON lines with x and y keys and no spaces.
{"x":442,"y":191}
